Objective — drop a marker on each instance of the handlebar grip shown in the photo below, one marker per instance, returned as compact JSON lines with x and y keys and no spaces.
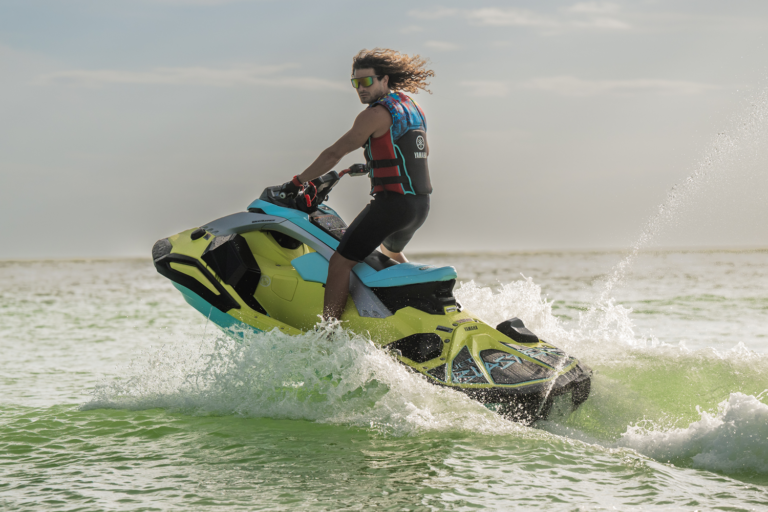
{"x":355,"y":170}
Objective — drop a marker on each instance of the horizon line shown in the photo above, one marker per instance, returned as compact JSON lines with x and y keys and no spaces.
{"x":693,"y":249}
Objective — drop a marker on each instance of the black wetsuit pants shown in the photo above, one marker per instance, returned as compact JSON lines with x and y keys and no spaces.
{"x":390,"y":219}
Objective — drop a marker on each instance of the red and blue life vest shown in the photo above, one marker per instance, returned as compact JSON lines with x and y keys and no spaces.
{"x":398,"y":159}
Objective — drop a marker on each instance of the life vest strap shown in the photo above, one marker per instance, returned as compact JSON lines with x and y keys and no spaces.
{"x":390,"y":180}
{"x":376,"y":164}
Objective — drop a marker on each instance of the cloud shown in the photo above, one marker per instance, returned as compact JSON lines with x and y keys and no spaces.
{"x":433,"y":14}
{"x":594,"y":7}
{"x":584,"y":16}
{"x":410,"y":29}
{"x":596,"y":16}
{"x":19,"y":66}
{"x":246,"y":75}
{"x":441,"y":45}
{"x":600,"y":24}
{"x":572,"y":86}
{"x":510,"y":18}
{"x":486,"y":88}
{"x":199,"y":2}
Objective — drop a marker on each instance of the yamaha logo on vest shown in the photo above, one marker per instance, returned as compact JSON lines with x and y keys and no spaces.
{"x":420,"y":142}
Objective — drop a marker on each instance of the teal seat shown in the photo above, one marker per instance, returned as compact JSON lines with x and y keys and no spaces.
{"x":403,"y":274}
{"x":314,"y":268}
{"x":311,"y":267}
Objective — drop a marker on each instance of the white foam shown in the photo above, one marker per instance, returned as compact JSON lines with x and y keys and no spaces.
{"x":329,"y":375}
{"x":520,"y":298}
{"x":605,"y":333}
{"x":607,"y":326}
{"x":733,"y":439}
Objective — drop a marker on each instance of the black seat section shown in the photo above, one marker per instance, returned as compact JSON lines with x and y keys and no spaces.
{"x":232,"y":260}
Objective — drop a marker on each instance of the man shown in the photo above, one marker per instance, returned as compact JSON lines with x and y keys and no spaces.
{"x":392,"y":130}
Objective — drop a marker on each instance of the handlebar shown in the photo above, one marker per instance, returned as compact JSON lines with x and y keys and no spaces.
{"x":314,"y":193}
{"x":355,"y":170}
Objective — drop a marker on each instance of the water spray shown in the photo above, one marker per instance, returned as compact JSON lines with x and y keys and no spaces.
{"x":747,"y":132}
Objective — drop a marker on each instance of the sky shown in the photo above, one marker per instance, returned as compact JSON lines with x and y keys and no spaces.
{"x":559,"y":125}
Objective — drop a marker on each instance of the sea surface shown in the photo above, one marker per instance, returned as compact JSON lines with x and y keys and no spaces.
{"x":116,"y":395}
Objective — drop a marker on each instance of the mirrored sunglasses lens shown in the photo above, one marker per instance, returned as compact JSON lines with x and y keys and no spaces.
{"x":365,"y":81}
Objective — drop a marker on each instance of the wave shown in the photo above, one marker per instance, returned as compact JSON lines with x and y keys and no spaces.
{"x":329,"y":375}
{"x":734,"y":439}
{"x":643,"y":389}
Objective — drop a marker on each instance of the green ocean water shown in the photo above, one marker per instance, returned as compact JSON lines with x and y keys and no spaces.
{"x":116,"y":395}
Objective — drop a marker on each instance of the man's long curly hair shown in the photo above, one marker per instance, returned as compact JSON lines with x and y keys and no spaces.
{"x":405,"y":73}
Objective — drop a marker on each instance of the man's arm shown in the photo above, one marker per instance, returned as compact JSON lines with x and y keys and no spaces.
{"x":370,"y":121}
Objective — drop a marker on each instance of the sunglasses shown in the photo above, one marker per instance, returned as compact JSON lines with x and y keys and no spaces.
{"x":365,"y":81}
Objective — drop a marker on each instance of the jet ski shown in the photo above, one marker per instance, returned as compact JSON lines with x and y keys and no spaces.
{"x":265,"y":268}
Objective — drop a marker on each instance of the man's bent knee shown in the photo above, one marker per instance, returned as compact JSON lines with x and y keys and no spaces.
{"x":397,"y":256}
{"x":338,"y":261}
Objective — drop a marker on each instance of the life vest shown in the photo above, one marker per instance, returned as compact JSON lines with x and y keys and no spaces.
{"x":397,"y":160}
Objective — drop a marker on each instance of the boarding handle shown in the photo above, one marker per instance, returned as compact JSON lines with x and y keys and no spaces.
{"x":355,"y":170}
